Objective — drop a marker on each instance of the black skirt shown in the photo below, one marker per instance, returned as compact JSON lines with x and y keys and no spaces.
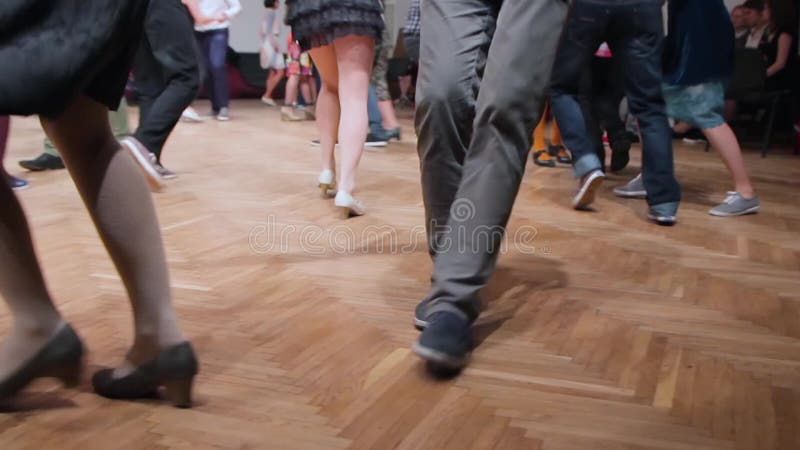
{"x":319,"y":22}
{"x":52,"y":51}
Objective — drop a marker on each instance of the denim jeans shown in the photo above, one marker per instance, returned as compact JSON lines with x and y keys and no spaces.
{"x":214,"y":45}
{"x":634,"y":30}
{"x":374,"y":114}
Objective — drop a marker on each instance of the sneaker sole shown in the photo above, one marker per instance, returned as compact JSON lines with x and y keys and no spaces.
{"x":439,"y":358}
{"x":420,"y":324}
{"x":751,"y":210}
{"x":21,"y":188}
{"x":586,"y":195}
{"x":376,"y":144}
{"x":35,"y":168}
{"x":636,"y":194}
{"x":152,"y":176}
{"x":662,"y":221}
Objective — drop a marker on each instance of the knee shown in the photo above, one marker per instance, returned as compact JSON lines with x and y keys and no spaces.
{"x":444,"y":98}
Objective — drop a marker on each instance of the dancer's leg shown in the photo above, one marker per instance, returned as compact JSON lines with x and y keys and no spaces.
{"x":354,"y":55}
{"x":35,"y":319}
{"x":119,"y":202}
{"x":328,"y":110}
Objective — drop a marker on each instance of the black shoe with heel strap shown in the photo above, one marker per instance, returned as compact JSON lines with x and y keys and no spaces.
{"x":61,"y":358}
{"x":174,"y":369}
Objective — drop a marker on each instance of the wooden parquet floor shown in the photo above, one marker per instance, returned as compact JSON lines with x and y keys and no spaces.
{"x":611,"y":334}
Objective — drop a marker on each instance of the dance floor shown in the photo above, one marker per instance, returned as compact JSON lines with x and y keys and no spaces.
{"x":602,"y":331}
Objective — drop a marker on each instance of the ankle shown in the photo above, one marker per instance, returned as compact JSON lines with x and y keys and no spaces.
{"x":746,"y":191}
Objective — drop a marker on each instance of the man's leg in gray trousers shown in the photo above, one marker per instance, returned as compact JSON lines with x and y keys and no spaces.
{"x":509,"y":104}
{"x":455,"y":40}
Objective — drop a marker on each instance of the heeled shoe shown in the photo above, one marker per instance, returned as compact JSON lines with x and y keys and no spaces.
{"x":61,"y":357}
{"x":327,"y":183}
{"x":174,"y":369}
{"x":348,"y":205}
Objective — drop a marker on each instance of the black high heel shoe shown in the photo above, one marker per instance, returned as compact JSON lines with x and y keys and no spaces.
{"x":174,"y":368}
{"x":61,"y":357}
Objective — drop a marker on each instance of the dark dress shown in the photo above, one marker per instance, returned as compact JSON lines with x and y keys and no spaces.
{"x":786,"y":79}
{"x":319,"y":22}
{"x":54,"y":50}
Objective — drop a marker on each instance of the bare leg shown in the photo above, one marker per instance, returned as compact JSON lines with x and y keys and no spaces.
{"x":118,"y":199}
{"x":724,"y":141}
{"x":681,"y":127}
{"x":292,"y":84}
{"x":354,"y":56}
{"x":21,"y":282}
{"x":328,"y":110}
{"x":405,"y":85}
{"x":305,"y":90}
{"x":390,"y":121}
{"x":273,"y":79}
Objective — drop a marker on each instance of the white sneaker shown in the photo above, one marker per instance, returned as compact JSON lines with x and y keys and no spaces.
{"x":146,"y":161}
{"x":190,"y":115}
{"x":348,"y":205}
{"x":588,"y":189}
{"x":268,"y":101}
{"x":327,"y":183}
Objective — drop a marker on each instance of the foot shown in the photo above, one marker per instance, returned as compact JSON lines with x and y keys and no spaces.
{"x":45,"y":161}
{"x":224,"y":114}
{"x":17,"y":183}
{"x":146,"y":161}
{"x":375,"y":141}
{"x":190,"y":115}
{"x":634,"y":189}
{"x":695,"y":136}
{"x":48,"y":352}
{"x":735,"y":204}
{"x":587,"y":188}
{"x":420,"y":315}
{"x":349,"y":205}
{"x":327,"y":183}
{"x":288,"y":114}
{"x":543,"y":158}
{"x":561,"y":154}
{"x":663,"y":214}
{"x":173,"y":367}
{"x":446,"y":342}
{"x":394,"y":133}
{"x":268,"y":101}
{"x":165,"y":173}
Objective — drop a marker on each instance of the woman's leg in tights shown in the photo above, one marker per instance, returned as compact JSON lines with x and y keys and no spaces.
{"x":354,"y":56}
{"x":35,"y":319}
{"x":119,"y":202}
{"x":328,"y":111}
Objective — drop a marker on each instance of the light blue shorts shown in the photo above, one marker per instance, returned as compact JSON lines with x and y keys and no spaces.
{"x":701,"y":105}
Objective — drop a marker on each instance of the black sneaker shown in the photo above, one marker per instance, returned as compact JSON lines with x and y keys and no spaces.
{"x":420,"y":321}
{"x":446,"y":342}
{"x":375,"y":141}
{"x":45,"y":161}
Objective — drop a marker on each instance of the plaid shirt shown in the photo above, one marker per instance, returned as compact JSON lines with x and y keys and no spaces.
{"x":412,"y":22}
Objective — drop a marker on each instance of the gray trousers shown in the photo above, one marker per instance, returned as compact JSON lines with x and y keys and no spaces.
{"x":484,"y":70}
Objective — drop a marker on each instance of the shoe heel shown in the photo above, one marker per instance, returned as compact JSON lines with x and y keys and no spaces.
{"x":345,"y":212}
{"x":179,"y":392}
{"x":325,"y":189}
{"x":69,"y":374}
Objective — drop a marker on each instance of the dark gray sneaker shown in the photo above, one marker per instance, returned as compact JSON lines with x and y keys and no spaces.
{"x":664,"y":214}
{"x":446,"y":343}
{"x":634,"y":189}
{"x":587,"y":189}
{"x":735,"y":205}
{"x":420,"y":319}
{"x":146,"y":161}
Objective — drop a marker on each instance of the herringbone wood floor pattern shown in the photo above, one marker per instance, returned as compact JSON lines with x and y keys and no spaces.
{"x":612,"y":334}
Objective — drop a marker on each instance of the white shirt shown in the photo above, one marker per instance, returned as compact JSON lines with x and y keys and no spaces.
{"x":216,"y":7}
{"x":754,"y":40}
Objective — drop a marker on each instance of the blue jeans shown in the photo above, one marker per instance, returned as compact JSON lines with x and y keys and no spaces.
{"x":374,"y":115}
{"x":634,"y":30}
{"x":214,"y":45}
